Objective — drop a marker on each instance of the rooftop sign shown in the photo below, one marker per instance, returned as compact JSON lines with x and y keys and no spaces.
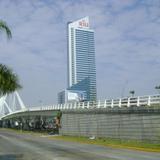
{"x":82,"y":23}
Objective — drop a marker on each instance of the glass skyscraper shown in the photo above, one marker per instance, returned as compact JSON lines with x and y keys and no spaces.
{"x":81,"y":59}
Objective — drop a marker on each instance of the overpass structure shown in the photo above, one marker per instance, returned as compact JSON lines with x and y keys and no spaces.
{"x":12,"y":104}
{"x":123,"y":118}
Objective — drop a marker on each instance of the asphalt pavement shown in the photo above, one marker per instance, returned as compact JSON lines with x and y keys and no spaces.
{"x":14,"y":146}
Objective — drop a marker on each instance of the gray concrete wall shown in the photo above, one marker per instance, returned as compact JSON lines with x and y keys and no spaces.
{"x":141,"y":123}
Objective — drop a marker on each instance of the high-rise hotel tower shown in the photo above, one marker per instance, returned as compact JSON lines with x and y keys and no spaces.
{"x":81,"y":58}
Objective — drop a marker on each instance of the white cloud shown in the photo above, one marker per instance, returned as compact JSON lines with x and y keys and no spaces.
{"x":127,"y":45}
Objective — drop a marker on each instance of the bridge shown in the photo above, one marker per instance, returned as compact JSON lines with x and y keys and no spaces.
{"x":12,"y":104}
{"x":128,"y":117}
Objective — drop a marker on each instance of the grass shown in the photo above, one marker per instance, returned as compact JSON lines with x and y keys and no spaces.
{"x":108,"y":142}
{"x":114,"y":143}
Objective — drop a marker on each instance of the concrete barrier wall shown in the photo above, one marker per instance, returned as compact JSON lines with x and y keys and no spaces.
{"x":141,"y":123}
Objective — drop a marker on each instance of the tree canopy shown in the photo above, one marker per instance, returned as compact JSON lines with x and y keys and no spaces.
{"x":8,"y":79}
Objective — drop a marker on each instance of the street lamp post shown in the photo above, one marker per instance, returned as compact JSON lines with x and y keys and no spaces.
{"x":132,"y":93}
{"x":158,"y":88}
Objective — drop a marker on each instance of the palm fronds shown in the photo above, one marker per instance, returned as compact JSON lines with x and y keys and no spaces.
{"x":3,"y":26}
{"x":8,"y":80}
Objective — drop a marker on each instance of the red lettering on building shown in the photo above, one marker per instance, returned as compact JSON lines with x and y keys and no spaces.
{"x":80,"y":23}
{"x":83,"y":23}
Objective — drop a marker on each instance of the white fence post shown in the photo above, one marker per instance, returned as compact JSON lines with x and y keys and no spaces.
{"x":83,"y":105}
{"x":138,"y":101}
{"x":105,"y":104}
{"x":88,"y":104}
{"x":61,"y":106}
{"x":112,"y":103}
{"x":120,"y":102}
{"x":149,"y":101}
{"x":99,"y":104}
{"x":128,"y":103}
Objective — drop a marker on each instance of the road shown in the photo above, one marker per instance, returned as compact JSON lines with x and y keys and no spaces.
{"x":15,"y":146}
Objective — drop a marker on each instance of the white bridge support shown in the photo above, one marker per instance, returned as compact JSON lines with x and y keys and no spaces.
{"x":11,"y":103}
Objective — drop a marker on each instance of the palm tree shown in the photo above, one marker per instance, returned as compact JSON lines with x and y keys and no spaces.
{"x":3,"y":26}
{"x":8,"y":80}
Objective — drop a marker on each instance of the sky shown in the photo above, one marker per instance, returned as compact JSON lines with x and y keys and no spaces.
{"x":127,"y":43}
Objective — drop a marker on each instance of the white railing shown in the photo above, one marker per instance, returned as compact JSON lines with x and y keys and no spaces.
{"x":121,"y":102}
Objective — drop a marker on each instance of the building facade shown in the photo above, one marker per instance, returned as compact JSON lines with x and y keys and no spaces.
{"x":69,"y":96}
{"x":81,"y":58}
{"x":61,"y":97}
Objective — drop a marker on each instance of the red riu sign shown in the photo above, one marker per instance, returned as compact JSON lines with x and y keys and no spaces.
{"x":83,"y":23}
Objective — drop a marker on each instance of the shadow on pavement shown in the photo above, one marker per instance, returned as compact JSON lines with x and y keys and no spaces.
{"x":11,"y":157}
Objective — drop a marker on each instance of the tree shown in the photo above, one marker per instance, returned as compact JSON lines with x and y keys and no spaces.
{"x":8,"y":80}
{"x":3,"y":26}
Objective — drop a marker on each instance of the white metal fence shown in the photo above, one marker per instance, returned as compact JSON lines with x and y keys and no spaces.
{"x":121,"y":102}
